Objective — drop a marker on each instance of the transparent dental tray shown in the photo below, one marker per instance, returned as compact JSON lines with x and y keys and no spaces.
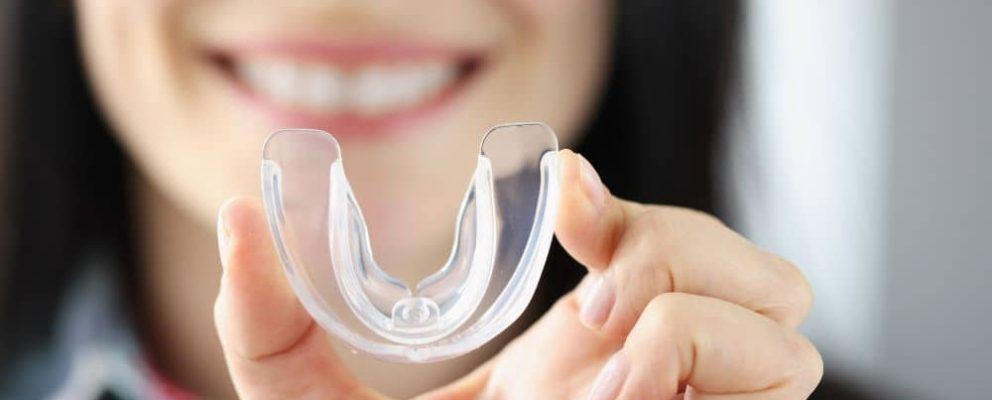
{"x":502,"y":235}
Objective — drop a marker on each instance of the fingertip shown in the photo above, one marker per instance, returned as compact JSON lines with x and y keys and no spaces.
{"x":244,"y":236}
{"x":569,"y":164}
{"x":597,"y":304}
{"x":242,"y":215}
{"x":576,"y":211}
{"x":233,"y":206}
{"x":588,"y":216}
{"x":583,"y":191}
{"x":256,"y":310}
{"x":592,"y":184}
{"x":231,"y":218}
{"x":610,"y":381}
{"x":251,"y":267}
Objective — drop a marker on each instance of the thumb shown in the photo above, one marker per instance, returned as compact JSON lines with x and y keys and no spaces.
{"x":272,"y":347}
{"x":590,"y":219}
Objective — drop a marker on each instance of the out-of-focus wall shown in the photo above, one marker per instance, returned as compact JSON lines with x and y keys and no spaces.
{"x":865,"y":155}
{"x":937,"y":315}
{"x":808,"y":159}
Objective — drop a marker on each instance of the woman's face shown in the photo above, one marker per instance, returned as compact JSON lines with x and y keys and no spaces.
{"x":192,"y":89}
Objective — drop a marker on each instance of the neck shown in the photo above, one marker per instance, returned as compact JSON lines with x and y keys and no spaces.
{"x":180,"y":275}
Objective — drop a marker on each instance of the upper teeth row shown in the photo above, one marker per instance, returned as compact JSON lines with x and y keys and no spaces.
{"x":367,"y":91}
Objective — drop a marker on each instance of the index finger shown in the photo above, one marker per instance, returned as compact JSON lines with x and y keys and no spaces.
{"x":635,"y":252}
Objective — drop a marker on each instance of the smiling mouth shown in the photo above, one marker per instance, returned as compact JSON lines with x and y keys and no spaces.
{"x":346,"y":90}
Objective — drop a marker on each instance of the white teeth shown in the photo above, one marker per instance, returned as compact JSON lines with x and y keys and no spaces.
{"x":322,"y":88}
{"x":367,"y":91}
{"x":271,"y":78}
{"x":373,"y":92}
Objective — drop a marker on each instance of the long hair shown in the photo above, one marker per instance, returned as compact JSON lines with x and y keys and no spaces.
{"x":64,"y":188}
{"x":653,"y":138}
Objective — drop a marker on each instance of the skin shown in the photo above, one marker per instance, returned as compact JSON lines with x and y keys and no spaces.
{"x":699,"y":313}
{"x":690,"y":306}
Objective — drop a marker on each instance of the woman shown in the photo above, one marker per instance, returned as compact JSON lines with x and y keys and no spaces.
{"x":113,"y":277}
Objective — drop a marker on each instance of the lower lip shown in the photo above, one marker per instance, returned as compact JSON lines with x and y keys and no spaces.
{"x":353,"y":126}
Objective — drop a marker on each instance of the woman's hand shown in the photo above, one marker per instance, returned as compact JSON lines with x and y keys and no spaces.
{"x":675,"y":302}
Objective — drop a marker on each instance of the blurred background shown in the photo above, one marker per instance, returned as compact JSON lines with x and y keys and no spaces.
{"x":864,"y":129}
{"x":872,"y":125}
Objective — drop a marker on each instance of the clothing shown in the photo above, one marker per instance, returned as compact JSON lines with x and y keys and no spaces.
{"x":93,"y":355}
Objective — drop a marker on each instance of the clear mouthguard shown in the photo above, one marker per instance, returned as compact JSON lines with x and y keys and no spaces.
{"x":502,"y":235}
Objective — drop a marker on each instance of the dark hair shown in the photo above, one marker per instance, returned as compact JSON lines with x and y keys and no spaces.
{"x":65,"y":177}
{"x":654,"y":137}
{"x":657,"y":127}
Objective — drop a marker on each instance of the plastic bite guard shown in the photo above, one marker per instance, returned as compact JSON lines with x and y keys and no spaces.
{"x":502,"y":235}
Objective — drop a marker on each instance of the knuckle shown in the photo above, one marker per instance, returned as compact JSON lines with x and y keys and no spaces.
{"x":691,"y":216}
{"x":651,"y":242}
{"x":674,"y":226}
{"x":703,"y":218}
{"x":668,"y":311}
{"x":649,"y":229}
{"x":667,"y":326}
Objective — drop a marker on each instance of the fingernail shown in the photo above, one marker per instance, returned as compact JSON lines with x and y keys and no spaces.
{"x":597,"y":303}
{"x":610,"y":380}
{"x":223,"y":238}
{"x":591,"y":182}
